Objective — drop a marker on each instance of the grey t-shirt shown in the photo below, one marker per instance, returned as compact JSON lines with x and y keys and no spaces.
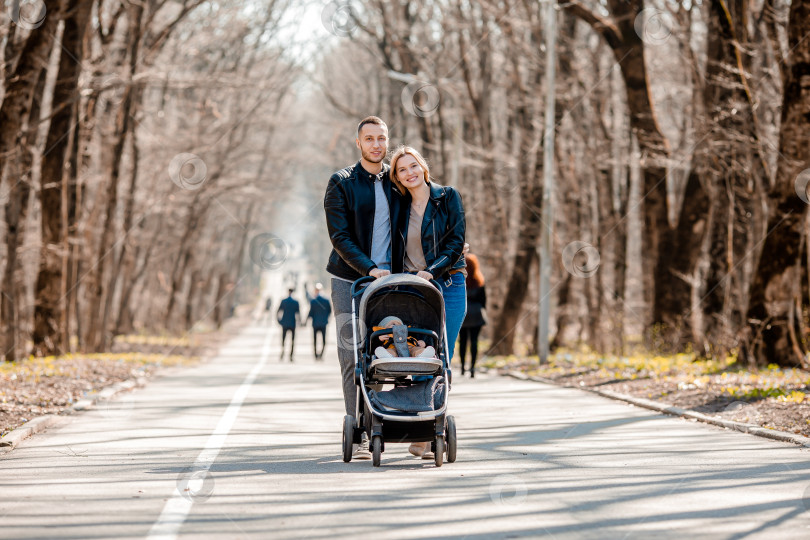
{"x":414,"y":256}
{"x":381,"y":237}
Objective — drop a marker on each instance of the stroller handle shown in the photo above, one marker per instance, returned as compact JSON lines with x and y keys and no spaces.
{"x":359,"y":284}
{"x":356,"y":286}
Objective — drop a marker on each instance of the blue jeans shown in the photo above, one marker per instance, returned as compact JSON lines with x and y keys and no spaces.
{"x":454,"y":291}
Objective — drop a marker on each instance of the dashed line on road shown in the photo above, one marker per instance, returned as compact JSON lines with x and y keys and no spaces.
{"x":179,"y":505}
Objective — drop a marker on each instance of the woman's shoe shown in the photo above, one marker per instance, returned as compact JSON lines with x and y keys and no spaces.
{"x":416,"y":449}
{"x":428,"y":455}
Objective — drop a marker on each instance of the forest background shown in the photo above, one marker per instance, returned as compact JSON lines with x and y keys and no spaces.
{"x":160,"y":159}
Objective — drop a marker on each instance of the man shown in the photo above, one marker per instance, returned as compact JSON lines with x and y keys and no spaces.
{"x":289,"y":316}
{"x":360,"y":223}
{"x":319,"y":310}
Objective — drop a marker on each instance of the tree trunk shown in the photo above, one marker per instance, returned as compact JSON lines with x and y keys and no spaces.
{"x":97,"y":333}
{"x":124,"y":322}
{"x":628,"y":48}
{"x":15,"y":212}
{"x":243,"y":242}
{"x":71,"y":207}
{"x":770,"y":334}
{"x":220,"y":309}
{"x":23,"y":82}
{"x":671,"y":311}
{"x":731,"y":158}
{"x":528,"y":238}
{"x":49,"y":307}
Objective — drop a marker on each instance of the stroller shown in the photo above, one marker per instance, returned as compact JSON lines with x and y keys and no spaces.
{"x":414,"y":407}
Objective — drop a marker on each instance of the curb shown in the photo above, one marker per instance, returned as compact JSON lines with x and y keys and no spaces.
{"x":11,"y":439}
{"x":751,"y":429}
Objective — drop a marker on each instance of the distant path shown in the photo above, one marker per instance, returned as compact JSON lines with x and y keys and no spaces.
{"x":257,"y":446}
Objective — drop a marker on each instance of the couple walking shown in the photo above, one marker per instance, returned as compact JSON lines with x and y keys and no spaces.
{"x":386,"y":219}
{"x":289,"y":316}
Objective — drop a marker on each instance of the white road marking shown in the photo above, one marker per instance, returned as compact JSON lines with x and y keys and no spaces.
{"x":179,"y":505}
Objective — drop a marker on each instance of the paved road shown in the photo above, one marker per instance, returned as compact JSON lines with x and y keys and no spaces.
{"x":245,"y":446}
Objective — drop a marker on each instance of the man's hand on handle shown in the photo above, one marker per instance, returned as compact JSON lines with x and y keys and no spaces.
{"x":378,"y":273}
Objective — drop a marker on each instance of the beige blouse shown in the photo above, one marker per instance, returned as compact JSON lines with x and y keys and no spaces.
{"x":414,"y":256}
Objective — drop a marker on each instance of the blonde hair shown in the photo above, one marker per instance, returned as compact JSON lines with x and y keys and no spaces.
{"x":400,"y":152}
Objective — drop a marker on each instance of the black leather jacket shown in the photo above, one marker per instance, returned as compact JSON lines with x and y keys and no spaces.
{"x":349,"y":204}
{"x":443,"y":230}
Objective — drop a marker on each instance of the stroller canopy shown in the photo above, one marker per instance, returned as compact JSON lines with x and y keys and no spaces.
{"x":413,"y":299}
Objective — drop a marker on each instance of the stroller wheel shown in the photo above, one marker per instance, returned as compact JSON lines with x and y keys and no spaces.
{"x":438,"y":453}
{"x":348,"y":437}
{"x":450,"y":431}
{"x":376,"y":450}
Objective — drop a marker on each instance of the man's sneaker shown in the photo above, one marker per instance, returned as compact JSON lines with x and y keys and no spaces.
{"x":362,"y":451}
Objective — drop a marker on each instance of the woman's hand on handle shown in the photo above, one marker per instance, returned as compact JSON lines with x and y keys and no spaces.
{"x":424,"y":275}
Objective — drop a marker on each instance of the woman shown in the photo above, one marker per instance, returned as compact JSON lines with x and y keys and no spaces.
{"x":432,"y":230}
{"x":476,"y":316}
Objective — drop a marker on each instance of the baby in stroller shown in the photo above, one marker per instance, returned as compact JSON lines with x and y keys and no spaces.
{"x":417,"y":348}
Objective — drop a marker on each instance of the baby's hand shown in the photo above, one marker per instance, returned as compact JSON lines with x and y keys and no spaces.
{"x":421,"y":343}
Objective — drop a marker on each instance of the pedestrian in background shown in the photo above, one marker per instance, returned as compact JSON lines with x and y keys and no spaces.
{"x":289,"y":316}
{"x":268,"y":305}
{"x":476,"y":316}
{"x":319,"y":311}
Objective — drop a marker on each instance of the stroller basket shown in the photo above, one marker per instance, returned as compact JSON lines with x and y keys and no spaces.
{"x":402,"y":367}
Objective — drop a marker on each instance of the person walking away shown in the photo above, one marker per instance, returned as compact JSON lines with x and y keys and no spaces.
{"x":319,"y":311}
{"x":360,"y":213}
{"x":268,"y":305}
{"x":289,"y":316}
{"x":476,"y":313}
{"x":433,"y":227}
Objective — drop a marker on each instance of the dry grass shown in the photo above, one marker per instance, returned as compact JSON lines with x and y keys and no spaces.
{"x":774,"y":397}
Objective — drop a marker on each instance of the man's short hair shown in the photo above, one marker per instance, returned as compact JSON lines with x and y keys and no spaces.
{"x":291,"y":291}
{"x":376,"y":120}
